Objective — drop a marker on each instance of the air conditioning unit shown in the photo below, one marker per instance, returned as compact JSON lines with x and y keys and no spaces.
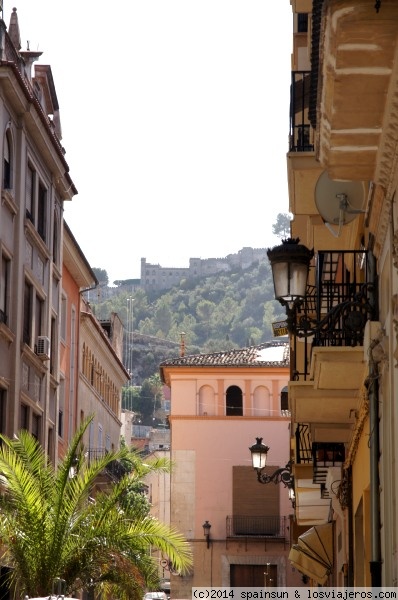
{"x":43,"y":346}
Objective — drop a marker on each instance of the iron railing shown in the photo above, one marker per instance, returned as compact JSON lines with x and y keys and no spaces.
{"x":300,"y":137}
{"x":261,"y":526}
{"x":114,"y":469}
{"x":337,"y":307}
{"x":303,"y":444}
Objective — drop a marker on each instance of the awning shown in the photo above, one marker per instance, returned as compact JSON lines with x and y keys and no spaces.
{"x":313,"y":554}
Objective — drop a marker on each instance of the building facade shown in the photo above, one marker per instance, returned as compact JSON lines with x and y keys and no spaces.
{"x":77,"y":276}
{"x":101,"y":377}
{"x":35,"y":182}
{"x":219,"y":404}
{"x":45,"y":325}
{"x":342,"y":174}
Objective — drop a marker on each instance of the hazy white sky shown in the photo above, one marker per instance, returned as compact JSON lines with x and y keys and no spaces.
{"x":175,"y":119}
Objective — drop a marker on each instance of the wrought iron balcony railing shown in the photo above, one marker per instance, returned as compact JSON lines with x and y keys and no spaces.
{"x":114,"y":469}
{"x":300,"y":138}
{"x":337,"y":307}
{"x":252,"y":526}
{"x":324,"y":456}
{"x":303,"y":444}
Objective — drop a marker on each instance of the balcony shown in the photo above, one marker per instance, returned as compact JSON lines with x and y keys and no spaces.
{"x":337,"y":307}
{"x":318,"y":465}
{"x":114,"y":471}
{"x":326,"y":455}
{"x":300,"y":136}
{"x":329,"y":370}
{"x":273,"y":527}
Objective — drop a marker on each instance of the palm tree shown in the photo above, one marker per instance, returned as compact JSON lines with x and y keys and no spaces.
{"x":51,"y":527}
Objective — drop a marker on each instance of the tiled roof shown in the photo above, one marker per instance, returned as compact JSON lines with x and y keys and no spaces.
{"x":267,"y":354}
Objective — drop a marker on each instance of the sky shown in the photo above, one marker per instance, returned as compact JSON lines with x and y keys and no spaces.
{"x":175,"y":123}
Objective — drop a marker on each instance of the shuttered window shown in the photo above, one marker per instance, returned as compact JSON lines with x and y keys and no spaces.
{"x":251,"y":497}
{"x":255,"y":506}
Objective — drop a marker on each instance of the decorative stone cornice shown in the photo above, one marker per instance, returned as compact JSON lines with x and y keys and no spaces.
{"x":358,"y":429}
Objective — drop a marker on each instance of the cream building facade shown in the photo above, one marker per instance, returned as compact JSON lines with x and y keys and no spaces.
{"x":342,"y":173}
{"x":101,"y":377}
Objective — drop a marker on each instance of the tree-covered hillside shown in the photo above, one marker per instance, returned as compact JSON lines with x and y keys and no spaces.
{"x":216,"y":313}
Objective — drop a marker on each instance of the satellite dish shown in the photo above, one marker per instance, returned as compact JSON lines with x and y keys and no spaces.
{"x":339,"y":202}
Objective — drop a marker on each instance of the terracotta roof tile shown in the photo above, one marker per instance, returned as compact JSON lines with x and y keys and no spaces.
{"x":267,"y":354}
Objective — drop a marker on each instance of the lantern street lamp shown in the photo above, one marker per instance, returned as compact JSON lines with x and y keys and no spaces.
{"x":290,"y":264}
{"x":206,"y":531}
{"x":283,"y":475}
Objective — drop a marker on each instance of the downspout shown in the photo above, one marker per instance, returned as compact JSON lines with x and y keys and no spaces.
{"x":374,"y":441}
{"x":375,"y":562}
{"x":350,"y":569}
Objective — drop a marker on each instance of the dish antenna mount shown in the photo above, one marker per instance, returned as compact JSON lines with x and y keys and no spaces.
{"x":339,"y":202}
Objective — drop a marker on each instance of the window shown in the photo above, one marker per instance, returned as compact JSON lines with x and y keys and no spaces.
{"x":302,"y":22}
{"x":24,"y":417}
{"x":234,"y":401}
{"x":36,"y":425}
{"x":63,"y":316}
{"x":36,"y":201}
{"x":285,"y":400}
{"x":33,"y":315}
{"x":53,"y":346}
{"x":61,"y":408}
{"x":255,"y":507}
{"x":7,"y":161}
{"x":60,"y":423}
{"x":29,"y":194}
{"x":56,"y":248}
{"x":100,"y":441}
{"x":4,"y":288}
{"x":3,"y":410}
{"x":41,"y":211}
{"x":27,"y":313}
{"x":39,"y":309}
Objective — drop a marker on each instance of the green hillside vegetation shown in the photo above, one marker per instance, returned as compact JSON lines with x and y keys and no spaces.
{"x":216,"y":313}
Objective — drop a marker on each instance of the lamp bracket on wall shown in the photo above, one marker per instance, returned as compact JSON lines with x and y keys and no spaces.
{"x":282,"y":475}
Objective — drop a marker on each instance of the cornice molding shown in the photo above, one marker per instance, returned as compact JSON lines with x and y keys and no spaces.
{"x":358,"y":429}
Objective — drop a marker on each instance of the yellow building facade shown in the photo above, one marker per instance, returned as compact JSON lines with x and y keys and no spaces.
{"x":342,"y":175}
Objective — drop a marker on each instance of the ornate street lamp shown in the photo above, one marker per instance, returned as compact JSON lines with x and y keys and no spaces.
{"x":290,"y":263}
{"x":283,"y":475}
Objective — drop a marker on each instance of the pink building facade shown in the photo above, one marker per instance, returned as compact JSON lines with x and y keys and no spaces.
{"x":219,"y":404}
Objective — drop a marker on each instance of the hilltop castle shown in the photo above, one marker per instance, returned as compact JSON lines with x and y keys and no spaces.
{"x":155,"y":277}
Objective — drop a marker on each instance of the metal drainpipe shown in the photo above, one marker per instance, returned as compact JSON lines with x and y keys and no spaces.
{"x":373,"y":394}
{"x":375,"y":562}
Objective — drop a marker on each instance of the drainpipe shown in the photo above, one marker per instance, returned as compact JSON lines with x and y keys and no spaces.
{"x":373,"y":394}
{"x":375,"y":562}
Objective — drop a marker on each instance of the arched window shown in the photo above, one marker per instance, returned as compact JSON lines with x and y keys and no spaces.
{"x":284,"y":401}
{"x":234,"y":401}
{"x":7,"y":161}
{"x":207,"y":405}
